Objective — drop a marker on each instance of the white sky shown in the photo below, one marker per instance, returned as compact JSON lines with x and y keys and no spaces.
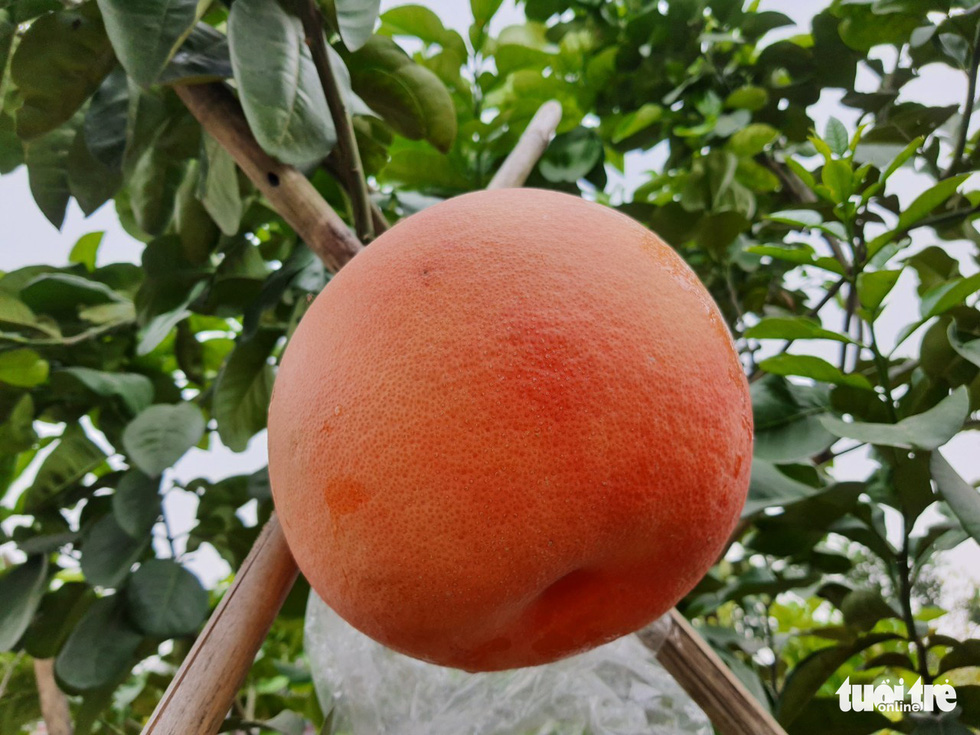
{"x":28,"y":239}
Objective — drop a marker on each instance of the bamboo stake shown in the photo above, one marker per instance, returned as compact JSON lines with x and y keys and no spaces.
{"x":703,"y":675}
{"x":201,"y":693}
{"x":54,"y":703}
{"x":522,"y":160}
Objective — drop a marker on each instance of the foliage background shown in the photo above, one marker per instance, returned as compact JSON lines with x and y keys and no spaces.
{"x":709,"y":99}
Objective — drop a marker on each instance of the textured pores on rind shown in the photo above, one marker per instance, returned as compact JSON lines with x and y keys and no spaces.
{"x":511,"y":429}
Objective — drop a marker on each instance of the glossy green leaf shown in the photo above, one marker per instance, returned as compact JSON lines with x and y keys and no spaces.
{"x":161,"y":435}
{"x":771,"y":488}
{"x":637,"y":122}
{"x":23,"y":368}
{"x":47,"y":170}
{"x":873,"y":287}
{"x":218,"y":190}
{"x":356,"y":19}
{"x":100,"y":649}
{"x":962,"y":499}
{"x":929,"y":200}
{"x":147,"y":33}
{"x":836,"y":137}
{"x":571,"y":156}
{"x":748,"y":98}
{"x":136,"y":503}
{"x":86,"y":249}
{"x":109,"y":553}
{"x":74,"y":456}
{"x":838,"y":178}
{"x":90,"y":181}
{"x":967,"y":350}
{"x":56,"y":616}
{"x":928,"y":430}
{"x":945,"y":296}
{"x":424,"y":24}
{"x":786,"y":418}
{"x":21,"y":590}
{"x":407,"y":95}
{"x":902,"y":158}
{"x":752,"y":140}
{"x":813,"y":367}
{"x":484,"y":10}
{"x":134,"y":391}
{"x":243,"y":390}
{"x":60,"y":62}
{"x":17,"y":430}
{"x":153,"y":186}
{"x":806,"y":678}
{"x":165,"y":600}
{"x":107,"y":120}
{"x":203,"y":57}
{"x":279,"y":88}
{"x":798,"y":217}
{"x":792,"y":328}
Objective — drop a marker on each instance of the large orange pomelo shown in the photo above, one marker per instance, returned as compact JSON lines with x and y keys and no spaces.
{"x":512,"y":429}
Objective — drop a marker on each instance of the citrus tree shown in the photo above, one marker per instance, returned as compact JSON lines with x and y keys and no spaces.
{"x":110,"y":373}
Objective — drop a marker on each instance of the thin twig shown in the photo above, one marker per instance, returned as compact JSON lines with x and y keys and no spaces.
{"x":851,"y":306}
{"x":54,"y":703}
{"x":346,"y":141}
{"x":971,"y":96}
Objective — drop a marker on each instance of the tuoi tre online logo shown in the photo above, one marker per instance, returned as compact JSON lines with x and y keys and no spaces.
{"x":893,"y":698}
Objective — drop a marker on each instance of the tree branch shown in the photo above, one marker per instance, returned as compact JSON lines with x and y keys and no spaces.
{"x":533,"y":142}
{"x":346,"y":142}
{"x":971,"y":96}
{"x":289,"y":192}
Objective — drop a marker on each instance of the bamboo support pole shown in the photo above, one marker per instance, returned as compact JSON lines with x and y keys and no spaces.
{"x":201,"y":693}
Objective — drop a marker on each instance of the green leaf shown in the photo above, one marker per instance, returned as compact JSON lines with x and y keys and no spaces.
{"x":278,"y":87}
{"x":801,"y":254}
{"x":136,"y":503}
{"x":838,"y":177}
{"x":864,"y":607}
{"x":752,"y":140}
{"x":161,"y":435}
{"x":902,"y":158}
{"x":60,"y":62}
{"x":58,"y":613}
{"x":74,"y":457}
{"x":153,"y":186}
{"x":748,"y":98}
{"x":133,"y":390}
{"x":836,"y":137}
{"x":803,"y":218}
{"x":86,"y":249}
{"x":147,"y":33}
{"x":17,"y":430}
{"x":813,"y":367}
{"x":962,"y":499}
{"x":218,"y":190}
{"x":929,"y":200}
{"x":484,"y":10}
{"x":21,"y":591}
{"x":928,"y":430}
{"x":100,"y":649}
{"x":165,"y":600}
{"x":407,"y":95}
{"x":23,"y":368}
{"x":793,"y":328}
{"x":204,"y":57}
{"x":107,"y":119}
{"x":945,"y":296}
{"x":786,"y":417}
{"x":91,"y":182}
{"x":571,"y":156}
{"x":967,"y":350}
{"x":637,"y":121}
{"x":874,"y":287}
{"x":243,"y":390}
{"x":356,"y":19}
{"x":770,"y":488}
{"x":64,"y":294}
{"x":808,"y":676}
{"x":108,"y":552}
{"x":47,"y":171}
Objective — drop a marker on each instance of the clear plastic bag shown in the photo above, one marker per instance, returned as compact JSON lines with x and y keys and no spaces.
{"x":616,"y":689}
